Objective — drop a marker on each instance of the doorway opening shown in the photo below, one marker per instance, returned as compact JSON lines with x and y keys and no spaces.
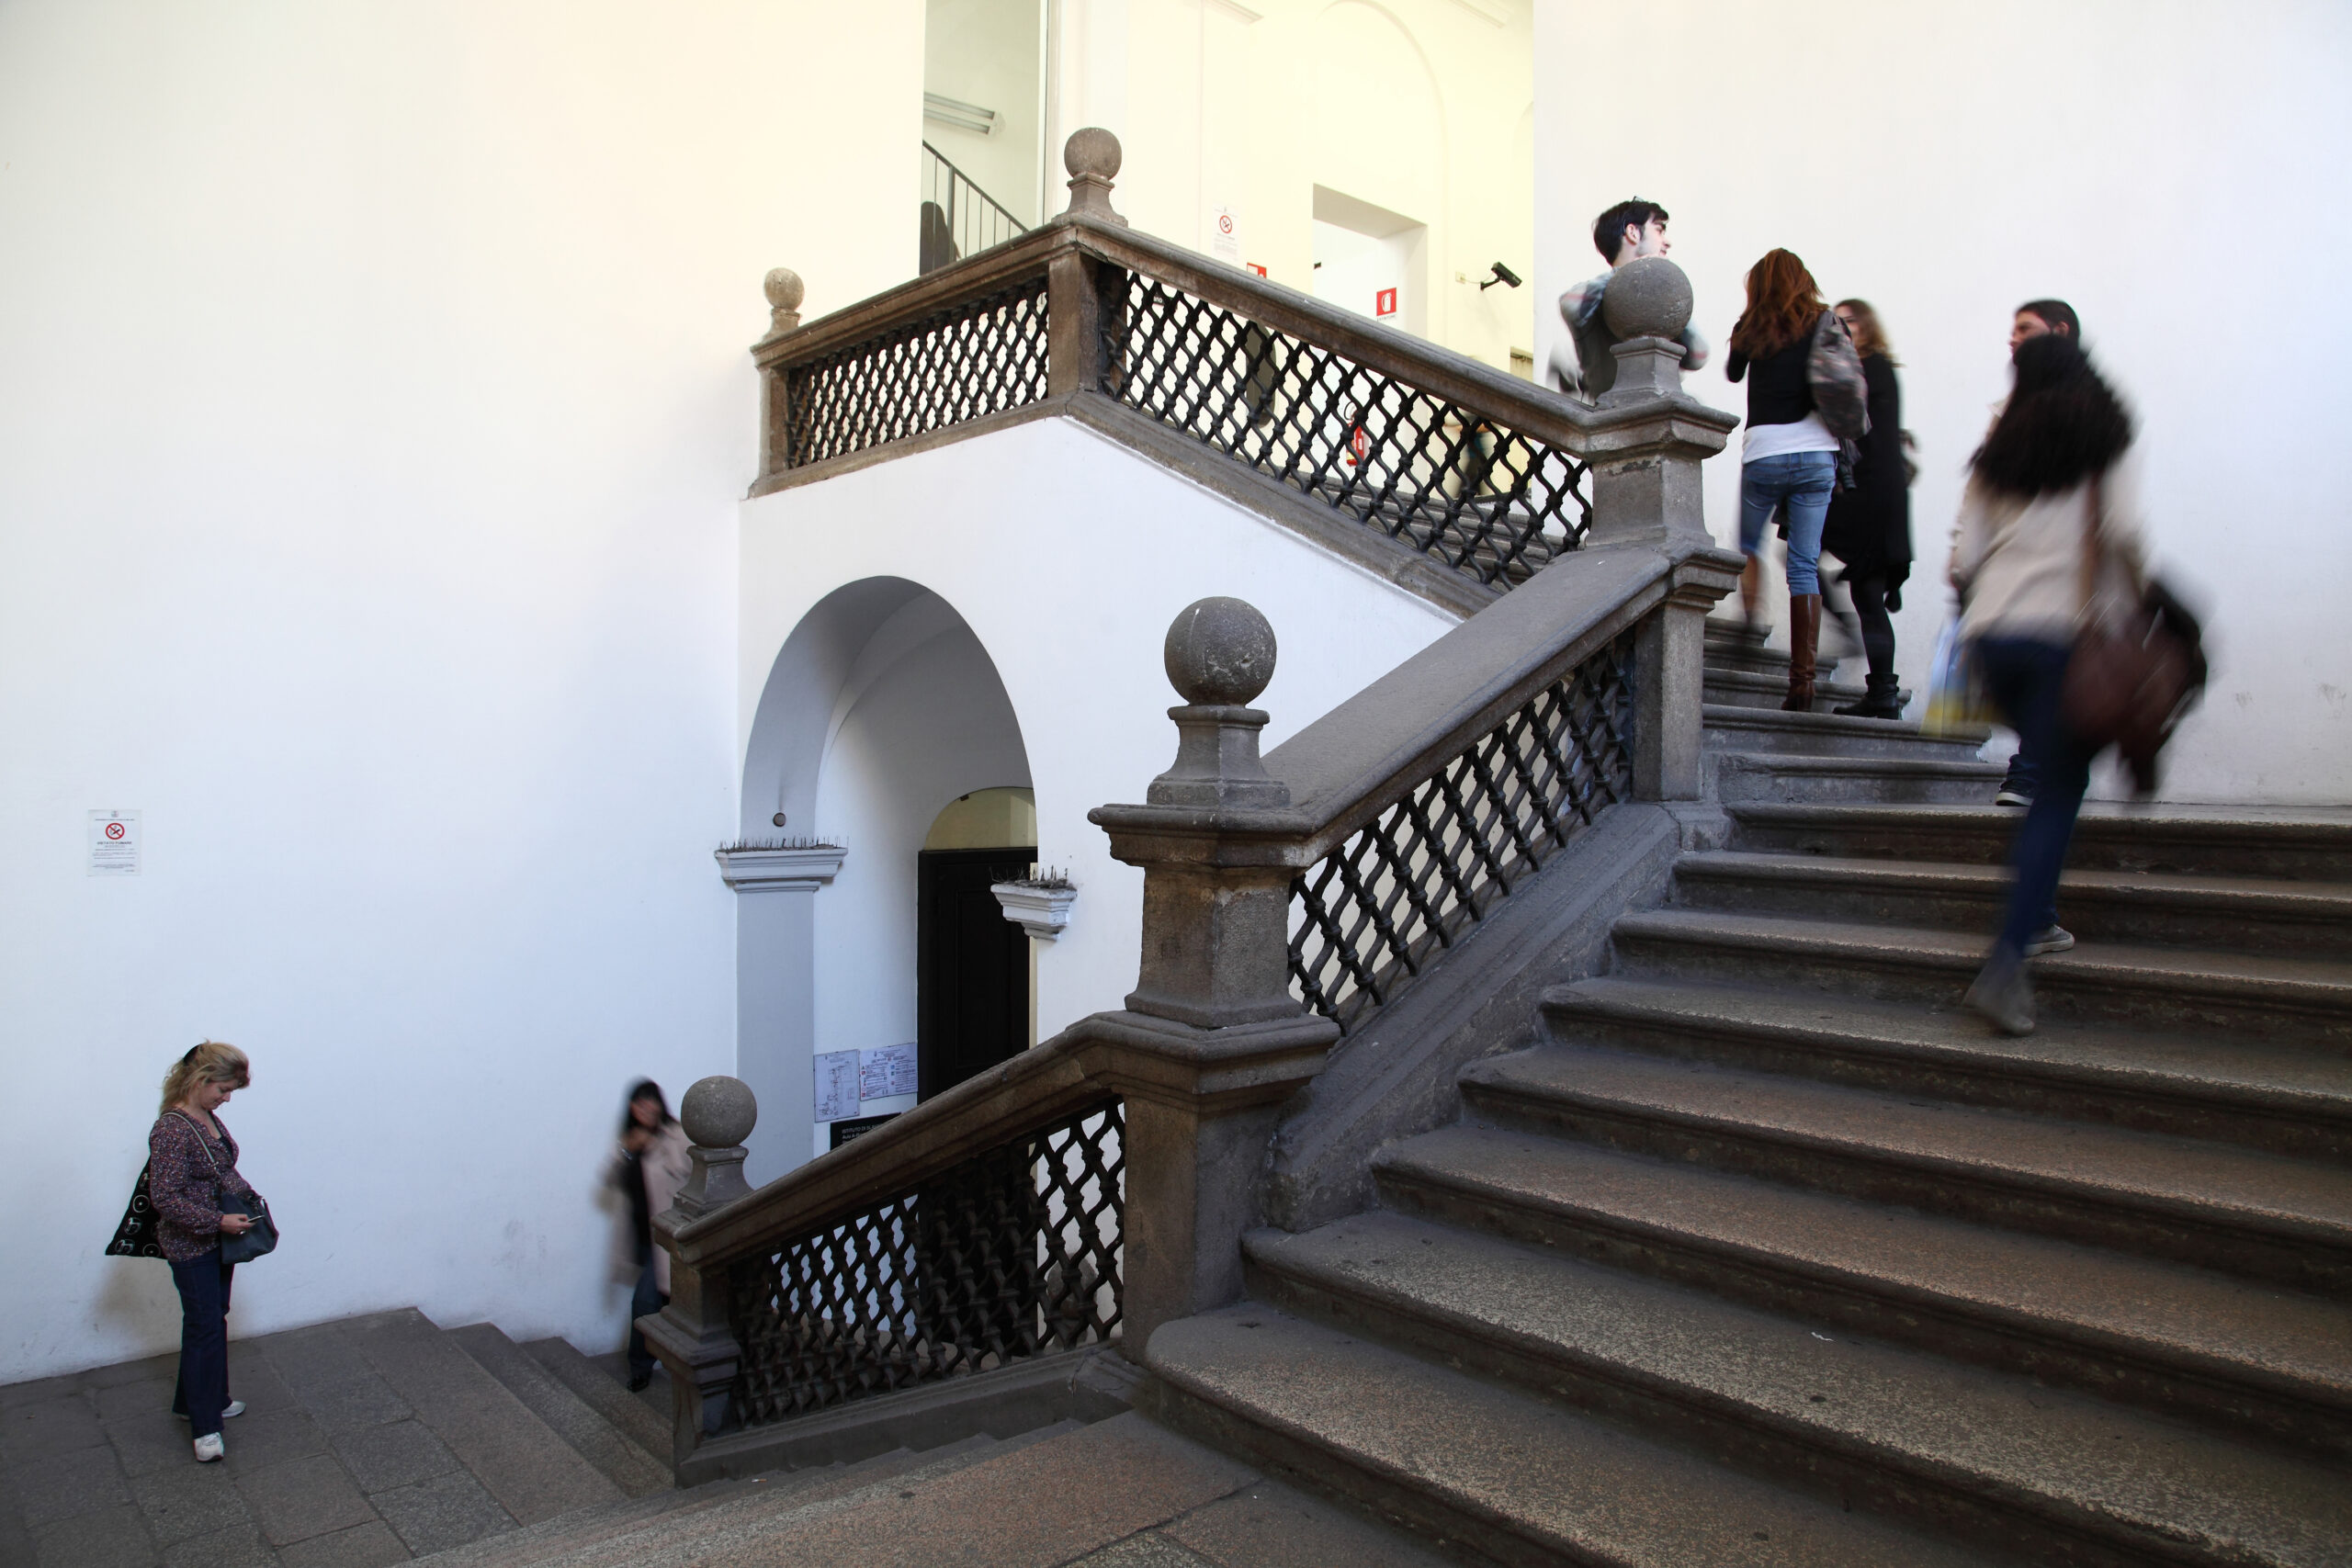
{"x":972,"y":966}
{"x":1371,"y":260}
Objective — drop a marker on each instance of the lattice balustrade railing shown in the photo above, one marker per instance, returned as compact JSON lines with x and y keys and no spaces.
{"x":1375,"y":912}
{"x":1014,"y":1253}
{"x":976,"y":357}
{"x":1448,"y":481}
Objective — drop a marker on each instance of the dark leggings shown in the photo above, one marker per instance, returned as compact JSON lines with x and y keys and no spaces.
{"x":1878,"y":628}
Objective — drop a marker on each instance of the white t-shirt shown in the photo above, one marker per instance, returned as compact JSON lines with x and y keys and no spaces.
{"x":1807,"y":435}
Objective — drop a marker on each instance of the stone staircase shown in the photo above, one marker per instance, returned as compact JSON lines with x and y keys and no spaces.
{"x":1766,"y":1253}
{"x":384,"y":1439}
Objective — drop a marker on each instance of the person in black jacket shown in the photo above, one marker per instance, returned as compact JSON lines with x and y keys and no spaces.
{"x":1869,"y":525}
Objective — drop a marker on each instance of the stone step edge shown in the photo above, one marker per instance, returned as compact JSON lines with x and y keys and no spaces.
{"x":2277,"y":898}
{"x":2014,"y":1512}
{"x":1486,"y":1517}
{"x":1831,"y":764}
{"x":1727,"y":715}
{"x":1492,"y":1088}
{"x":609,"y":1398}
{"x":1618,"y":999}
{"x":2022,"y":1338}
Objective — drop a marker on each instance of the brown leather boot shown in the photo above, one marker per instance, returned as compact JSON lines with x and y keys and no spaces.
{"x":1804,"y":637}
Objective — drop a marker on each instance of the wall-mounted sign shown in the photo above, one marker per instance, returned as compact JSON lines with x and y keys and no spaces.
{"x":1225,"y":235}
{"x":846,"y":1079}
{"x":114,"y":844}
{"x":1253,"y":266}
{"x":1384,"y":302}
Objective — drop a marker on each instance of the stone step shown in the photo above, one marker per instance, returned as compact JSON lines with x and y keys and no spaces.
{"x":608,"y":1396}
{"x":2311,"y":919}
{"x":2182,"y":1340}
{"x":632,"y":1468}
{"x":2247,"y":1091}
{"x":1787,"y":778}
{"x":2211,"y":1205}
{"x":530,"y":1471}
{"x":1729,"y":647}
{"x":1771,"y":732}
{"x":1741,"y":688}
{"x":2303,"y":1001}
{"x":1506,"y":1476}
{"x":2011,"y":1464}
{"x":2288,"y":844}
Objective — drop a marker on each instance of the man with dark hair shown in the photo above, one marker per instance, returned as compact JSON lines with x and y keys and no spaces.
{"x":1627,"y":231}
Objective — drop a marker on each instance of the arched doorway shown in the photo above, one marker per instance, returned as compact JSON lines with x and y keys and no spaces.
{"x":973,"y":977}
{"x":881,"y":714}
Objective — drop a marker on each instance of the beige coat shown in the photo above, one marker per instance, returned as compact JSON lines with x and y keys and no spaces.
{"x":665,"y":1166}
{"x":2017,"y":563}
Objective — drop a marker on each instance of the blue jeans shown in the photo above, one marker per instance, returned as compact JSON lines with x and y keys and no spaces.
{"x":203,"y":1389}
{"x":644,"y":1302}
{"x":1803,"y":482}
{"x":2024,"y":678}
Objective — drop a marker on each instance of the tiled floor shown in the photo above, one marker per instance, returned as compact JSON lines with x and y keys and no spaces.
{"x":334,"y":1465}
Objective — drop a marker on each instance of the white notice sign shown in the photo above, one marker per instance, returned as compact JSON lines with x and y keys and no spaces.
{"x":836,"y":1085}
{"x":885,"y":1071}
{"x":1225,"y":235}
{"x":114,"y":844}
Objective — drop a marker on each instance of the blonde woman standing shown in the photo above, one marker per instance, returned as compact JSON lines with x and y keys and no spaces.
{"x":191,"y":1169}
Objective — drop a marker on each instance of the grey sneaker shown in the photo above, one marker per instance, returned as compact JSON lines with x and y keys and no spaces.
{"x":2003,"y":995}
{"x":208,"y":1449}
{"x":2049,"y":938}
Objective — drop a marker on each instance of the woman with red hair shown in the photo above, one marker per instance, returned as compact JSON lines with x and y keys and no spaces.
{"x":1806,"y":399}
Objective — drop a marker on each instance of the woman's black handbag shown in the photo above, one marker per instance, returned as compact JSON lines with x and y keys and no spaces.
{"x":135,"y":1236}
{"x":258,"y":1240}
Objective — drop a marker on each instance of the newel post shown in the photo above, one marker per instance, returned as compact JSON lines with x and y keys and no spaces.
{"x":1647,"y":450}
{"x":1211,"y":1042}
{"x":1078,"y":287}
{"x":784,"y":291}
{"x":692,"y":1335}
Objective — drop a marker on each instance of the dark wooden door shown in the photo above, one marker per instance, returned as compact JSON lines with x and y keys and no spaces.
{"x":971,"y":966}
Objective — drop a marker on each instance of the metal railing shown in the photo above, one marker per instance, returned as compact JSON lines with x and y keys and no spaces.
{"x":960,"y":219}
{"x":1379,"y":908}
{"x":1012,"y":1253}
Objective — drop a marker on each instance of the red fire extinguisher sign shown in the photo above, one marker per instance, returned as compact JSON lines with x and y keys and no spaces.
{"x":1384,"y":302}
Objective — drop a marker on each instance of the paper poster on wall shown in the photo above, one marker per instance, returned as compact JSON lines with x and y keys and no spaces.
{"x":1225,"y":235}
{"x":885,"y":1071}
{"x":114,"y":844}
{"x":836,"y":1085}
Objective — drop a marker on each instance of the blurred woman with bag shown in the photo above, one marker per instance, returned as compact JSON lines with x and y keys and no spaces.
{"x":651,"y":1167}
{"x":2049,"y":536}
{"x":200,"y":1202}
{"x":1805,"y":404}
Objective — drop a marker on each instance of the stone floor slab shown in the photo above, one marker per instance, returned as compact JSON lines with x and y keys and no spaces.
{"x":134,"y":1401}
{"x":303,"y":1497}
{"x":1273,"y":1525}
{"x":147,"y":1369}
{"x":50,"y":1426}
{"x":115,"y":1539}
{"x":39,"y":1391}
{"x":310,"y":1358}
{"x":445,"y":1511}
{"x":260,"y":1440}
{"x":54,"y":1486}
{"x":239,"y":1546}
{"x":1150,"y":1550}
{"x":371,"y":1545}
{"x":159,"y":1441}
{"x":401,"y":1454}
{"x":353,"y":1404}
{"x":188,"y":1501}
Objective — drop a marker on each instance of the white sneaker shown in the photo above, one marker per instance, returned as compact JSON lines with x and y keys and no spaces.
{"x":2049,"y":938}
{"x":235,"y":1407}
{"x":208,"y":1449}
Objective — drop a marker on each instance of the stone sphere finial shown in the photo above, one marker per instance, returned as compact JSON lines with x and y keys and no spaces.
{"x":719,"y":1112}
{"x":1220,"y":653}
{"x":784,"y":288}
{"x":1650,"y":298}
{"x":1092,"y":150}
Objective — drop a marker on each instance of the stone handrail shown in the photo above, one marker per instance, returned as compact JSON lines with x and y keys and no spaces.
{"x":1346,"y":427}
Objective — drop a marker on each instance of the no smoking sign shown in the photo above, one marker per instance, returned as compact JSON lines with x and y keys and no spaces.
{"x":114,"y":844}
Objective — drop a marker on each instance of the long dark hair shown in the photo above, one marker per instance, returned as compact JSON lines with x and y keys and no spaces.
{"x":2063,"y":424}
{"x":1783,"y":301}
{"x":646,"y":1089}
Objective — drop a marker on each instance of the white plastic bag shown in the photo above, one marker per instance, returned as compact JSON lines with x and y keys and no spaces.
{"x":1956,"y":699}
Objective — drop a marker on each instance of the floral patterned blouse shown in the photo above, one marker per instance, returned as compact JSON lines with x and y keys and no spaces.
{"x":185,"y":1185}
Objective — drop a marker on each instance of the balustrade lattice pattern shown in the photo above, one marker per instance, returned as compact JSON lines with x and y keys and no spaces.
{"x":1011,"y":1254}
{"x":978,"y":357}
{"x":1375,"y":912}
{"x":1454,"y":484}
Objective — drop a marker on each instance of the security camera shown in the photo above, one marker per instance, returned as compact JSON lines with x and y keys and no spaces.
{"x":1502,"y":275}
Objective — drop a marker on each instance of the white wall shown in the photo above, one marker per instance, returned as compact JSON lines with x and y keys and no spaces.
{"x":1068,"y":556}
{"x":990,"y":53}
{"x":2174,"y":177}
{"x":374,"y":405}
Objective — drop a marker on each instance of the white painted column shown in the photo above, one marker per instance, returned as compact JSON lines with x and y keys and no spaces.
{"x":776,"y":996}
